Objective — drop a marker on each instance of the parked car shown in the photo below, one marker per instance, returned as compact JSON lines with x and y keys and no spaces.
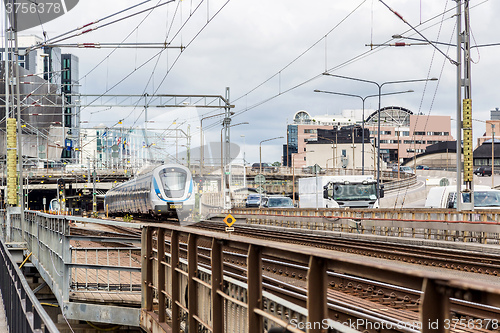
{"x":256,"y":167}
{"x":422,"y":167}
{"x":484,"y":170}
{"x":278,"y":202}
{"x":406,"y":169}
{"x":254,"y":200}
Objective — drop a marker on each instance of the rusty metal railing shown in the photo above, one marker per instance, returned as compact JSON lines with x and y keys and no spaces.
{"x":186,"y":295}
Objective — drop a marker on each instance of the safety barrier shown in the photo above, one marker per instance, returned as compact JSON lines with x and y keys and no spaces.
{"x":479,"y":227}
{"x":96,"y":273}
{"x":23,"y":310}
{"x":188,"y":295}
{"x":69,"y":270}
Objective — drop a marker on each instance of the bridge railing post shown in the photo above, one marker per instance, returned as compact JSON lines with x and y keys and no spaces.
{"x":192,"y":285}
{"x":254,"y":291}
{"x":217,"y":280}
{"x":161,"y":275}
{"x":147,"y":268}
{"x":435,"y":308}
{"x":316,"y":292}
{"x":66,"y":259}
{"x":174,"y":277}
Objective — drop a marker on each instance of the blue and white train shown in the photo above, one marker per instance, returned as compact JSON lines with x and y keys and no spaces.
{"x":167,"y":190}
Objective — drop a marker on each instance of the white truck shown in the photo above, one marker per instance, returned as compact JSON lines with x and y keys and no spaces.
{"x":339,"y":192}
{"x":446,"y":197}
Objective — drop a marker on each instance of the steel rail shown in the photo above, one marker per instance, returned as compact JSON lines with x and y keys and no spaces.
{"x":470,"y":262}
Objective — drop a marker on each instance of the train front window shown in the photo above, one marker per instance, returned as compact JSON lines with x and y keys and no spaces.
{"x":174,"y":182}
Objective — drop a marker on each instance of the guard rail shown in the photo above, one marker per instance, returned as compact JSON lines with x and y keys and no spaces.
{"x":185,"y":295}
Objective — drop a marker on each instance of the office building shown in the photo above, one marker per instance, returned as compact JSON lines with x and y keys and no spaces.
{"x":403,"y":135}
{"x":50,"y":130}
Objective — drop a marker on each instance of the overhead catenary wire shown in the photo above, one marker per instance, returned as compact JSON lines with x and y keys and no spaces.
{"x":109,"y":23}
{"x":209,"y":19}
{"x":334,"y":68}
{"x":117,"y":45}
{"x":107,"y":57}
{"x":91,"y":23}
{"x":419,"y":33}
{"x":422,"y":99}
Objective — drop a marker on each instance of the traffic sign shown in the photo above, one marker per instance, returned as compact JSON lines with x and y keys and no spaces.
{"x":260,"y":179}
{"x":260,"y":189}
{"x":316,"y":168}
{"x":444,"y":182}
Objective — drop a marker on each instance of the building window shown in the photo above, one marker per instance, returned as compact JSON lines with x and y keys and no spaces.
{"x":439,"y":133}
{"x":311,"y":131}
{"x":344,"y":152}
{"x":385,"y":132}
{"x":419,"y":133}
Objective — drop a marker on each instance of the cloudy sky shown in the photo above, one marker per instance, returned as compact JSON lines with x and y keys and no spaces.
{"x":272,"y":53}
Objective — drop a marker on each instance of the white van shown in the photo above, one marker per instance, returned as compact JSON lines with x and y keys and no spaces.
{"x":445,"y":197}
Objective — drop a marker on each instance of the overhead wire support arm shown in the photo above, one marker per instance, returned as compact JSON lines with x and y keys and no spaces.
{"x":76,"y":32}
{"x":397,"y":44}
{"x":118,"y":45}
{"x":419,"y":33}
{"x":96,"y":21}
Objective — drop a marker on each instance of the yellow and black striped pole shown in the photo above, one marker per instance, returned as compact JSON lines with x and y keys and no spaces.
{"x":12,"y":198}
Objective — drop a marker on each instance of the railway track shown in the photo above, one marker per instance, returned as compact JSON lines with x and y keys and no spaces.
{"x":482,"y":263}
{"x":348,"y":296}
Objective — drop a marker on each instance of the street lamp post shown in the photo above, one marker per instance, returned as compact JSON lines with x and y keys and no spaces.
{"x":222,"y":166}
{"x":244,"y":162}
{"x":379,"y":85}
{"x":201,"y":138}
{"x":363,"y":99}
{"x":492,"y":155}
{"x":260,"y":151}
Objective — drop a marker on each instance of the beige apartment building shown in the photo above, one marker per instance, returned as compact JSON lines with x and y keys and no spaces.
{"x":402,"y":135}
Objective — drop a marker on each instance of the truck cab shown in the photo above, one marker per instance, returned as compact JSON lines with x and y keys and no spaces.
{"x":349,"y":191}
{"x":348,"y":194}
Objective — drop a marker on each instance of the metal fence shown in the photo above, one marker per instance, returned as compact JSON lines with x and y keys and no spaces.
{"x":187,"y":295}
{"x":438,"y":224}
{"x":68,"y":269}
{"x":23,"y":310}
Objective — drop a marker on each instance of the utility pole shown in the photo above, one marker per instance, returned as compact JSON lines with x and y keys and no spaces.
{"x":227,"y":153}
{"x":467,"y":113}
{"x":94,"y":201}
{"x":188,"y":148}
